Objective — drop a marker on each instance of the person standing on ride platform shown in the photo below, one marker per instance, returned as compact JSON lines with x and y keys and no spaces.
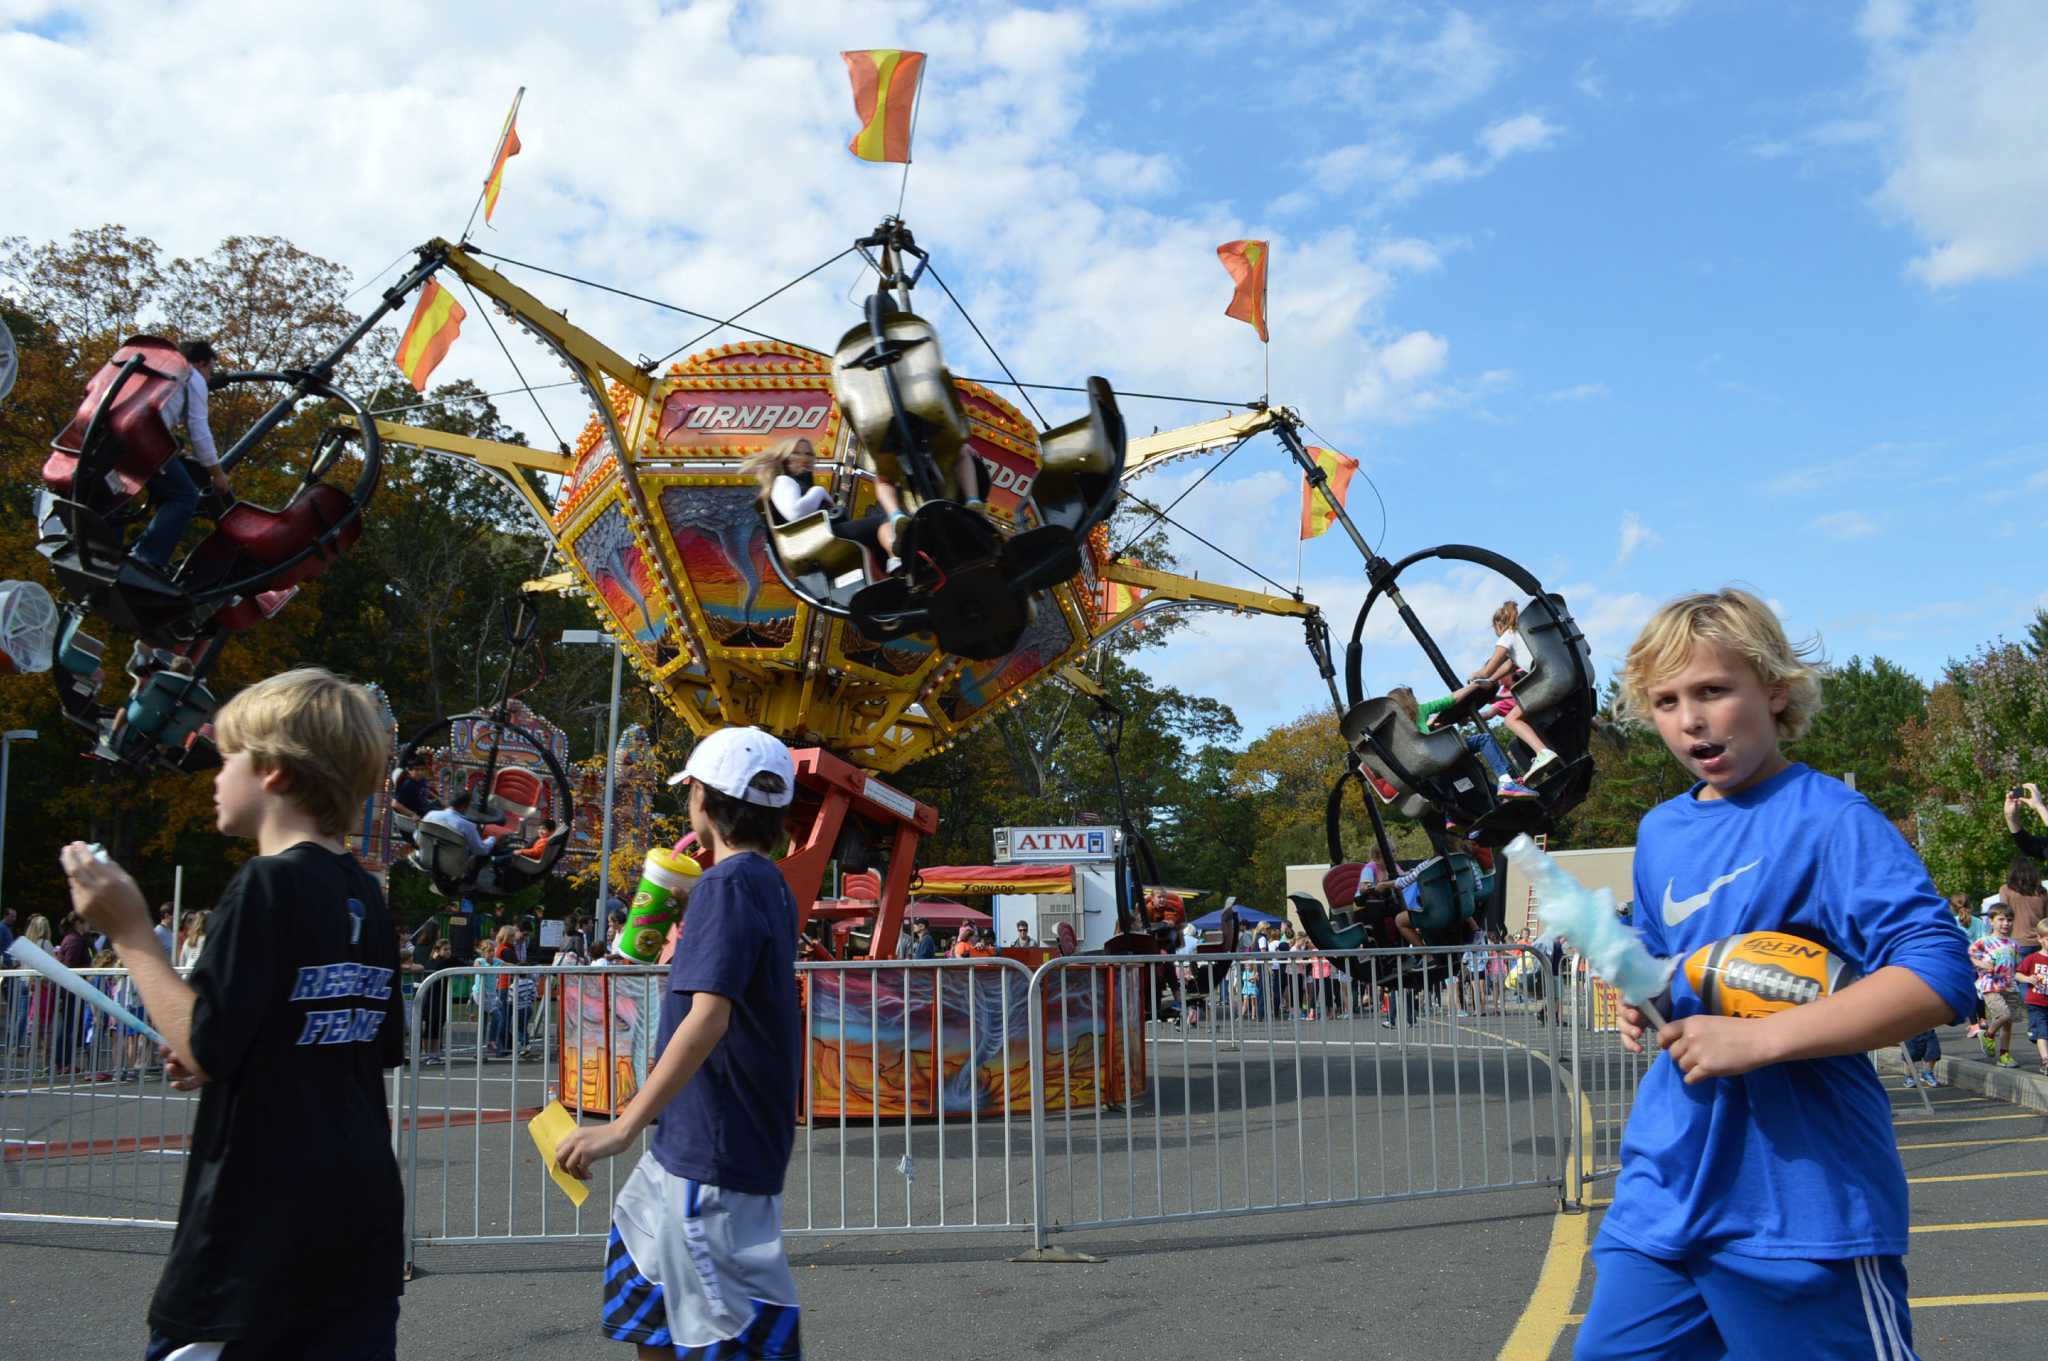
{"x":175,"y":493}
{"x":290,"y":1238}
{"x":696,"y":1264}
{"x":1761,"y":1197}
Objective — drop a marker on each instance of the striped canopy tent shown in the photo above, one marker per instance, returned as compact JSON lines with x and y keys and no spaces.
{"x":973,"y":879}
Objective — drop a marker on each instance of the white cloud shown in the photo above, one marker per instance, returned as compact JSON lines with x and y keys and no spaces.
{"x":1962,"y":100}
{"x":712,"y":194}
{"x":1581,"y":392}
{"x":1588,"y":80}
{"x":1634,"y":535}
{"x":1645,"y":11}
{"x":1425,"y":75}
{"x":1844,"y":525}
{"x":1389,"y":166}
{"x":1524,"y":132}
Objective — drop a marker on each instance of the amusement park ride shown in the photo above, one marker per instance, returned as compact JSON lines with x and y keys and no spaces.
{"x":730,"y":616}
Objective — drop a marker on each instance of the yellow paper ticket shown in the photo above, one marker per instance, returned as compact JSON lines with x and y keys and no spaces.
{"x":548,"y":1129}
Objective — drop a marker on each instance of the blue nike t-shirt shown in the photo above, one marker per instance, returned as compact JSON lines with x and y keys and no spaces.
{"x":1793,"y":1160}
{"x":733,"y":1123}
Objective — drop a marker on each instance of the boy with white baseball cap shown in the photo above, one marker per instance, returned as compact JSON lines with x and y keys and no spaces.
{"x":696,"y":1259}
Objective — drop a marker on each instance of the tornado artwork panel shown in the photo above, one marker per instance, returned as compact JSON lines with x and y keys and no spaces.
{"x":912,"y":1043}
{"x":624,"y":577}
{"x":722,"y":546}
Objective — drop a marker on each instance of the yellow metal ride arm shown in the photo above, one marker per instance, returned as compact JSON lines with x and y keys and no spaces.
{"x":1149,"y":587}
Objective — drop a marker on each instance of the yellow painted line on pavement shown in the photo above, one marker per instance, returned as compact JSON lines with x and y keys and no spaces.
{"x":1983,"y":1143}
{"x":1544,"y":1317}
{"x":1549,"y":1308}
{"x":1982,"y":1224}
{"x":1949,"y":1301}
{"x":1965,"y":1119}
{"x":1977,"y":1176}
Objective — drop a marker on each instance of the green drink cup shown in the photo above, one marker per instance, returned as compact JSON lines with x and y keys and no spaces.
{"x":665,"y":881}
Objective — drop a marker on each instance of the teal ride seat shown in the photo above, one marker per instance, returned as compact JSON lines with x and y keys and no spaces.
{"x":170,"y":708}
{"x":1448,"y":893}
{"x":1315,"y":920}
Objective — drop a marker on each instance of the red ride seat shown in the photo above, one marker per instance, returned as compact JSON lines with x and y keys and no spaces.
{"x":249,"y":538}
{"x":1340,"y":885}
{"x":864,"y":887}
{"x":517,"y":791}
{"x":134,"y":422}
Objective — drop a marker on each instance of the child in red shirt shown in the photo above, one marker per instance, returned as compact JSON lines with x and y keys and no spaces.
{"x":2033,"y":971}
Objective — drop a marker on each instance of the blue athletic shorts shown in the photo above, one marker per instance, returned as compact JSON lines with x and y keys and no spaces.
{"x":1924,"y":1047}
{"x":699,"y":1269}
{"x":1717,"y":1305}
{"x":2037,"y":1021}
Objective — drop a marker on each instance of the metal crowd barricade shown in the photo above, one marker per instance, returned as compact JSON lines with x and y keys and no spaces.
{"x":91,"y":1134}
{"x":1604,"y":1074}
{"x":1196,"y":1087}
{"x":914,"y":1099}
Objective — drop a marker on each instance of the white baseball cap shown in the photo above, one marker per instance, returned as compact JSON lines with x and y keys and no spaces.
{"x":730,"y":758}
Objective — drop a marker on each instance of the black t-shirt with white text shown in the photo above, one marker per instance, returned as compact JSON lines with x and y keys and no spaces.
{"x":292,"y":1207}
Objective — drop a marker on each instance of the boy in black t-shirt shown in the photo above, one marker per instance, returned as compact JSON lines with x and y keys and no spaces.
{"x":290,"y":1235}
{"x":696,"y":1266}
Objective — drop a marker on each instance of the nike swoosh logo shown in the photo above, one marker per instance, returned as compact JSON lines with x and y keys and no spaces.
{"x":1677,"y":910}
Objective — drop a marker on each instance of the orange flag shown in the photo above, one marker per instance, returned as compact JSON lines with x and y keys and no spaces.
{"x":1246,"y":261}
{"x":1114,"y":597}
{"x":1316,"y":515}
{"x":508,"y":147}
{"x":435,"y":324}
{"x":885,"y":85}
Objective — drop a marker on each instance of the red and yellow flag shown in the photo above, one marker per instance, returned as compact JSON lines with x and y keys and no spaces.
{"x":1246,"y":261}
{"x":508,"y":147}
{"x":885,"y":85}
{"x":434,"y":326}
{"x":1112,"y":598}
{"x":1316,"y":515}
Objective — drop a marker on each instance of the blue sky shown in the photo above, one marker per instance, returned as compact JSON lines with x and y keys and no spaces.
{"x":1649,"y":295}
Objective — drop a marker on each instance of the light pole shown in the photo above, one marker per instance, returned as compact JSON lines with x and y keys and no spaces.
{"x":611,"y":754}
{"x":7,"y":741}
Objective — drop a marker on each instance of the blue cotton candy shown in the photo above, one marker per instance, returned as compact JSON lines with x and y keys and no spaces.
{"x":1589,"y":921}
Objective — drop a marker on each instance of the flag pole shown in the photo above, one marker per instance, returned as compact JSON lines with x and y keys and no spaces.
{"x":496,"y":152}
{"x":916,"y":100}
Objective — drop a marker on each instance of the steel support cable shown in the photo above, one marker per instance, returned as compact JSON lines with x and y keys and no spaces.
{"x":472,"y":397}
{"x":751,"y":306}
{"x":1010,"y":381}
{"x":1291,"y":595}
{"x":636,"y":297}
{"x":985,"y":344}
{"x":1133,"y":540}
{"x":492,"y":327}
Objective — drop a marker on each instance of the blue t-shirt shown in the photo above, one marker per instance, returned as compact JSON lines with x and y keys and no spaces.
{"x":1793,"y":1160}
{"x":733,"y":1123}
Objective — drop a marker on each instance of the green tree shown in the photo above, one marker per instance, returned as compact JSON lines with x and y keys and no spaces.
{"x":1863,"y":711}
{"x":1985,"y":730}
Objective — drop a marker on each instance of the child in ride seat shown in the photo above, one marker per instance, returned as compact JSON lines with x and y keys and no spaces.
{"x":1501,"y":669}
{"x":1424,"y":716}
{"x":784,"y":472}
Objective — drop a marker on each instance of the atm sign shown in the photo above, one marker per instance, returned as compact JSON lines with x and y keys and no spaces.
{"x":1057,"y":844}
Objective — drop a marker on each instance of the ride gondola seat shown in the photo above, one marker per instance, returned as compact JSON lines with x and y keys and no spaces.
{"x":247,"y":538}
{"x":1560,"y":660}
{"x":516,"y":793}
{"x":169,"y":708}
{"x":133,"y":421}
{"x":1324,"y":935}
{"x":443,"y":854}
{"x":808,"y":544}
{"x":924,"y":385}
{"x":1340,"y":883}
{"x":1447,"y":893}
{"x":1453,"y":777}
